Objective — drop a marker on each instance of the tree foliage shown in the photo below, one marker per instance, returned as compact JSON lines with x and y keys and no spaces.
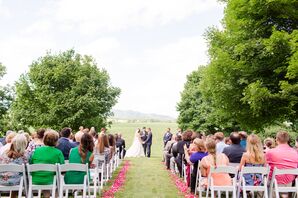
{"x":252,"y":77}
{"x":62,"y":90}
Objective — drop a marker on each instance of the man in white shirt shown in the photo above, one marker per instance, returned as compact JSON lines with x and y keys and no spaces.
{"x":220,"y":143}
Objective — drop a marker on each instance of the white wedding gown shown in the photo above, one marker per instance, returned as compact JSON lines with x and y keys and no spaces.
{"x":136,"y":149}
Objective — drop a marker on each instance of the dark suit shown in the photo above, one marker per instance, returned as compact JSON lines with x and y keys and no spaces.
{"x":167,"y":137}
{"x":144,"y":138}
{"x":120,"y":143}
{"x":148,"y":143}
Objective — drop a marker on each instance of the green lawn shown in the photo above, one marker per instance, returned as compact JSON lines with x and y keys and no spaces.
{"x":147,"y":176}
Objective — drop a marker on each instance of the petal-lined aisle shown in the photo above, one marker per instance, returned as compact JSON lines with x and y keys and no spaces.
{"x":146,"y":177}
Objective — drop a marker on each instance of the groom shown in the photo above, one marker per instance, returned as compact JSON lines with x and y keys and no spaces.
{"x":147,"y":143}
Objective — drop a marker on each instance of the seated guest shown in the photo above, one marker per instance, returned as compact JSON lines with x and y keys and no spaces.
{"x":80,"y":155}
{"x":186,"y":139}
{"x":269,"y":143}
{"x":3,"y":139}
{"x":94,"y":134}
{"x":36,"y":142}
{"x":220,"y":143}
{"x":64,"y":143}
{"x":112,"y":145}
{"x":168,"y":147}
{"x":194,"y":159}
{"x":228,"y":141}
{"x":214,"y":159}
{"x":15,"y":155}
{"x":174,"y":153}
{"x":47,"y":154}
{"x":243,"y":136}
{"x":79,"y":135}
{"x":254,"y":156}
{"x":234,"y":151}
{"x":167,"y":151}
{"x":120,"y":144}
{"x":8,"y":140}
{"x":282,"y":157}
{"x":102,"y":149}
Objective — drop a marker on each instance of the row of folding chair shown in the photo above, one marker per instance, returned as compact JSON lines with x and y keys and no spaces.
{"x":58,"y":183}
{"x":239,"y":184}
{"x":99,"y":175}
{"x":103,"y":171}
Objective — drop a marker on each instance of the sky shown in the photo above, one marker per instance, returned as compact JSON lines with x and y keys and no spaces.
{"x":147,"y":47}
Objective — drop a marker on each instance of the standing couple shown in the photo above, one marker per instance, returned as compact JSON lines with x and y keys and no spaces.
{"x":141,"y":145}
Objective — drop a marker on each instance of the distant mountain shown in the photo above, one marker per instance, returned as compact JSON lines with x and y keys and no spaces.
{"x":135,"y":115}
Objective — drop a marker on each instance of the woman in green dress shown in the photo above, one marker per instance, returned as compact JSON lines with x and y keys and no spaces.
{"x":82,"y":155}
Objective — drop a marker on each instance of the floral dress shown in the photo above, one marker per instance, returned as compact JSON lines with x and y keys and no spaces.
{"x":10,"y":178}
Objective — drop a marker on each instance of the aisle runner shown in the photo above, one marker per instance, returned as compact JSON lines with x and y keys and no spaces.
{"x":118,"y":182}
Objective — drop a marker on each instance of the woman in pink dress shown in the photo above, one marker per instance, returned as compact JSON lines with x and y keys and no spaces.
{"x":214,"y":159}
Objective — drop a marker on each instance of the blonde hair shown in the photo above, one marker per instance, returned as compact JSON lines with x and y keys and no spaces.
{"x":200,"y":144}
{"x":10,"y":136}
{"x":255,"y":149}
{"x":211,"y":148}
{"x":18,"y":146}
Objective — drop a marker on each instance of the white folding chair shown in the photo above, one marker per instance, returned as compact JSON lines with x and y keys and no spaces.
{"x":31,"y":168}
{"x":198,"y":187}
{"x":279,"y":189}
{"x":63,"y":168}
{"x":14,"y":168}
{"x":222,"y":169}
{"x":98,"y":175}
{"x":263,"y":187}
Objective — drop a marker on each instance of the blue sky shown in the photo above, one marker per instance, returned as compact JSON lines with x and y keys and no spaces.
{"x":148,"y":47}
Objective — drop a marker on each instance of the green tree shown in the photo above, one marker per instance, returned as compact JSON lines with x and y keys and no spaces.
{"x":252,"y":76}
{"x":6,"y":98}
{"x":63,"y":90}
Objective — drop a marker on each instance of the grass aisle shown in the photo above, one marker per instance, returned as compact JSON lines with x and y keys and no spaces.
{"x":147,"y":178}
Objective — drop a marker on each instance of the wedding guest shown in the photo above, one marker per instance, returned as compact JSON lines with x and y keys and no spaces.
{"x":8,"y":140}
{"x":15,"y":155}
{"x":36,"y":142}
{"x":112,"y":145}
{"x":120,"y":144}
{"x":228,"y":141}
{"x":94,"y":134}
{"x":282,"y":157}
{"x":64,"y":143}
{"x":253,"y":157}
{"x":168,"y":147}
{"x":220,"y":143}
{"x":80,"y":155}
{"x":243,"y":137}
{"x":269,"y":143}
{"x":194,"y":159}
{"x":102,"y":149}
{"x":214,"y":159}
{"x":79,"y":134}
{"x":234,"y":152}
{"x":3,"y":139}
{"x":174,"y":153}
{"x":47,"y":154}
{"x":186,"y":138}
{"x":167,"y":136}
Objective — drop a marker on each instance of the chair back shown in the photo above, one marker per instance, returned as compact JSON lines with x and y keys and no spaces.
{"x":224,"y":169}
{"x":14,"y":168}
{"x":277,"y":188}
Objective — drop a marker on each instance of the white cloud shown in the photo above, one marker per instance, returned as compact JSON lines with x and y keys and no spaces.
{"x":91,"y":16}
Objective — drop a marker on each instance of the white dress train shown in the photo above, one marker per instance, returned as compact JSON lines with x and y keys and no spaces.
{"x":136,"y":149}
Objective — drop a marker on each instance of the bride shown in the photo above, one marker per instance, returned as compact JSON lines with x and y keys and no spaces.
{"x":136,"y":149}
